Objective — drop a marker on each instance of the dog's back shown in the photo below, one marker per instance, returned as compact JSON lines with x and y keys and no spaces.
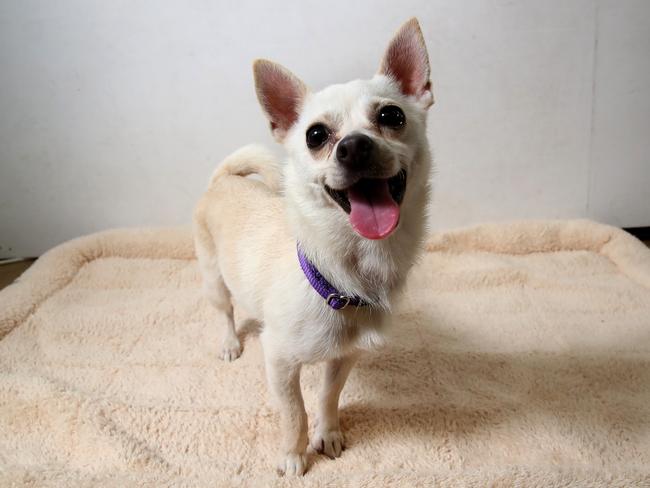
{"x":251,"y":159}
{"x":230,"y":192}
{"x":236,"y":212}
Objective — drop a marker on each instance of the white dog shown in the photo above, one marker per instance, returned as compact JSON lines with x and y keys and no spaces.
{"x":319,"y":263}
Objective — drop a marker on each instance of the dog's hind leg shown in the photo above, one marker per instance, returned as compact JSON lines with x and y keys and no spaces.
{"x":216,"y":291}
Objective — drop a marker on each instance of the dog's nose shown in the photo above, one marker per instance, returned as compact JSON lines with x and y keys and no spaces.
{"x":355,"y":151}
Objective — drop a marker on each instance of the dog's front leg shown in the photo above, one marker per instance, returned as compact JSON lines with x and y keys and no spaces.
{"x":328,"y":438}
{"x":284,"y":382}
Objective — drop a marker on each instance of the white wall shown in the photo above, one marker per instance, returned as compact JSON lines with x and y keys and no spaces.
{"x":115,"y":113}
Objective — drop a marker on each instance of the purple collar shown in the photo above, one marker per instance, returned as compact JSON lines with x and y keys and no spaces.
{"x":332,"y":296}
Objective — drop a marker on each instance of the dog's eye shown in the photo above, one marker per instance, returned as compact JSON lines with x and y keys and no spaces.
{"x":317,"y":134}
{"x":391,"y":116}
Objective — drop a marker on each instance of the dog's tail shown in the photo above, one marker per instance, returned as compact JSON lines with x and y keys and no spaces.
{"x":252,"y":159}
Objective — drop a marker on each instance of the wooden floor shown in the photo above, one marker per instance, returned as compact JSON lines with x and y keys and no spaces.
{"x":9,"y":272}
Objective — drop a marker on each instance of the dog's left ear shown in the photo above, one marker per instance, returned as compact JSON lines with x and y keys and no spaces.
{"x":407,"y":62}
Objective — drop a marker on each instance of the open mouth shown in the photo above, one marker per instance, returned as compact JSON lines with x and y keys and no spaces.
{"x":373,"y":204}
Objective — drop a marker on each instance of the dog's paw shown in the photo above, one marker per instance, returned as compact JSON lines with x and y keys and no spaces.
{"x":231,"y":349}
{"x":293,"y":465}
{"x":328,"y":442}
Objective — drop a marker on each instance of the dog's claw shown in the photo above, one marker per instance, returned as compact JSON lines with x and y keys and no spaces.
{"x":292,"y":465}
{"x":230,"y":350}
{"x":330,"y":443}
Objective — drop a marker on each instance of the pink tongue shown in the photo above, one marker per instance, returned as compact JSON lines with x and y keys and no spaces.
{"x":374,"y":213}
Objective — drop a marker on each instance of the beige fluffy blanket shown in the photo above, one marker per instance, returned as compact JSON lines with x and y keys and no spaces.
{"x":521,"y":357}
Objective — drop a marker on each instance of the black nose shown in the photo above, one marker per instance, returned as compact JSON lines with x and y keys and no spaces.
{"x":355,"y":151}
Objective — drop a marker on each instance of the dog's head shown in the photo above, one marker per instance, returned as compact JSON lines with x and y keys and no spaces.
{"x":358,"y":149}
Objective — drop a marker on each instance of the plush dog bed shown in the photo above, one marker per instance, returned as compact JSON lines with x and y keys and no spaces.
{"x":521,"y":357}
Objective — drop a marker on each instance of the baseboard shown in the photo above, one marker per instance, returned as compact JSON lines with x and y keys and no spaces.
{"x":641,"y":233}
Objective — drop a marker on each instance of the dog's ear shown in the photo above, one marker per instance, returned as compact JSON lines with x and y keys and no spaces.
{"x":281,"y":95}
{"x":407,"y":62}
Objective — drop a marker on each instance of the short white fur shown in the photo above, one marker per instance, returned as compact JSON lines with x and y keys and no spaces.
{"x":246,"y":233}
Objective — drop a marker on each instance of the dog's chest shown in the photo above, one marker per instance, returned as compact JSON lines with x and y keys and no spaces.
{"x":338,"y":334}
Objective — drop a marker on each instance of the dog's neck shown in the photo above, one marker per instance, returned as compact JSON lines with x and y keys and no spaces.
{"x":372,"y":270}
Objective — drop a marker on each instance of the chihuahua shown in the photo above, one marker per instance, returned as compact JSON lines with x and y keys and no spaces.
{"x":317,"y":249}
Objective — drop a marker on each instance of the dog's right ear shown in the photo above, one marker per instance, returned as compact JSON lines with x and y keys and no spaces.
{"x":281,"y":95}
